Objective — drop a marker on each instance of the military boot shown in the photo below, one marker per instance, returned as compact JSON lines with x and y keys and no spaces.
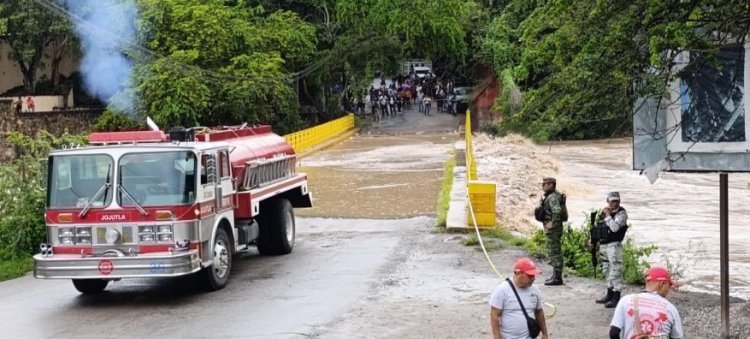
{"x":606,"y":298}
{"x":612,"y":303}
{"x":551,"y":279}
{"x":556,"y":279}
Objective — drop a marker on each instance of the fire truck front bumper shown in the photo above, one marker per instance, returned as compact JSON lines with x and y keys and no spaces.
{"x":73,"y":266}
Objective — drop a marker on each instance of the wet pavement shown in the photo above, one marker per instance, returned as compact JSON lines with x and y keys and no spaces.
{"x":679,"y":213}
{"x":333,"y":265}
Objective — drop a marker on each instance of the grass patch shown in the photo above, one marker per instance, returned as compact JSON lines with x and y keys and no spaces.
{"x":495,"y":239}
{"x":490,"y":244}
{"x":444,"y":197}
{"x":10,"y":269}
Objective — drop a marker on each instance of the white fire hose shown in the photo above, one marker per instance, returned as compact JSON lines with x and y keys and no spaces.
{"x":494,"y":268}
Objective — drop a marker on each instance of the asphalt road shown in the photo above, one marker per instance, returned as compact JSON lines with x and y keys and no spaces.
{"x":333,"y":265}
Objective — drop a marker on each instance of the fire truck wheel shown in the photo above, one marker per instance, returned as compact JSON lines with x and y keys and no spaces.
{"x":216,"y":276}
{"x":90,"y":286}
{"x":277,"y":227}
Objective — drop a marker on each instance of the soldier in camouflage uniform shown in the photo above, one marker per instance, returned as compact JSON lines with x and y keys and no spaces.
{"x":553,"y":228}
{"x":610,"y":250}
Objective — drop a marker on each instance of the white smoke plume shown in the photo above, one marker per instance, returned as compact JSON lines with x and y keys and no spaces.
{"x":106,"y":30}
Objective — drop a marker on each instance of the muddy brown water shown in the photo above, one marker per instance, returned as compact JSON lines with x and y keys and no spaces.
{"x":679,"y":213}
{"x":380,"y":177}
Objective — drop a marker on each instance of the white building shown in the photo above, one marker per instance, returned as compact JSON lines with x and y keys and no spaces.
{"x":11,"y":76}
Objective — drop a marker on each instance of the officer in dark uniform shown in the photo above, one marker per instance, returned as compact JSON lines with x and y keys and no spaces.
{"x":553,"y":209}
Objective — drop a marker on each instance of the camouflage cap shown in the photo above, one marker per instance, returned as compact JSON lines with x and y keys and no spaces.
{"x":549,"y":179}
{"x":613,"y":196}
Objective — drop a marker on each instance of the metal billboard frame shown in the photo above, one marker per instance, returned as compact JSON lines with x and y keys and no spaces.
{"x":659,"y":138}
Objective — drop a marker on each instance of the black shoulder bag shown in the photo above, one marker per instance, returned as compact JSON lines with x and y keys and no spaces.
{"x":533,"y":325}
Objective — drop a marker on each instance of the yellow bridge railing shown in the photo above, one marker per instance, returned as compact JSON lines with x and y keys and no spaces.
{"x":471,"y":164}
{"x":311,"y":137}
{"x":482,"y":194}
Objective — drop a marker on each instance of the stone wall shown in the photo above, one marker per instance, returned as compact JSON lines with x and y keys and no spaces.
{"x":73,"y":121}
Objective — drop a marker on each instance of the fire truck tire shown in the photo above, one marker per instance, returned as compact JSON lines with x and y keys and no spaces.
{"x":277,"y":227}
{"x":90,"y":286}
{"x":216,"y":276}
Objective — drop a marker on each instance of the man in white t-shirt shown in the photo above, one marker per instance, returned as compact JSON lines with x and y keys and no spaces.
{"x":507,"y":319}
{"x":656,"y":316}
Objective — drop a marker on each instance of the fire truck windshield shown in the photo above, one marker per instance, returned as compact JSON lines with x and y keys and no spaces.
{"x":157,"y":179}
{"x":75,"y":180}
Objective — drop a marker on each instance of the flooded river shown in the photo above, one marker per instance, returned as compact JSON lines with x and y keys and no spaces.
{"x":378,"y":177}
{"x":679,"y":213}
{"x":399,"y":176}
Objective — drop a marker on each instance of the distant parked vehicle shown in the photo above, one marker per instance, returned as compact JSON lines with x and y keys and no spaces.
{"x":412,"y":64}
{"x":462,"y":98}
{"x":422,"y":72}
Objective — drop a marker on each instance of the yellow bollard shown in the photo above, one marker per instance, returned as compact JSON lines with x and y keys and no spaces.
{"x":482,"y":197}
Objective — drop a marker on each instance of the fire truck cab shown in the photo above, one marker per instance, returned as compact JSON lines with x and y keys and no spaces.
{"x":144,"y":204}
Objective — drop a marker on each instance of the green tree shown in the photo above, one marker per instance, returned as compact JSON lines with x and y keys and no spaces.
{"x":224,"y":63}
{"x":427,"y":29}
{"x":569,"y":68}
{"x":111,"y":121}
{"x":29,"y":30}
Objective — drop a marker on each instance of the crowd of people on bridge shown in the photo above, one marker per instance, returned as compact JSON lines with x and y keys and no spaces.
{"x":393,"y":96}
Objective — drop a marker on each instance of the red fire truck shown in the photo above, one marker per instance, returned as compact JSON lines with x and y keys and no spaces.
{"x":147,"y":204}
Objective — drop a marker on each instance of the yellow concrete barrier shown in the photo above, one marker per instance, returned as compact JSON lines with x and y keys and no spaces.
{"x":482,"y":199}
{"x":317,"y":135}
{"x":482,"y":194}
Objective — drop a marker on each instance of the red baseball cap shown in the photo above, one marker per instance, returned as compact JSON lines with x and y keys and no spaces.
{"x":526,"y":266}
{"x":658,"y":273}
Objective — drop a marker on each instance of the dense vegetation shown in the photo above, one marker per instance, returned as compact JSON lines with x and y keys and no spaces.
{"x":22,"y":201}
{"x":573,"y":69}
{"x":567,"y":69}
{"x":288,"y":63}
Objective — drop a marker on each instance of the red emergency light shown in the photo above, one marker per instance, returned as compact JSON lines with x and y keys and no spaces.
{"x":126,"y":137}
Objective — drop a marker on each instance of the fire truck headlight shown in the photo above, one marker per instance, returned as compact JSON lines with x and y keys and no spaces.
{"x":112,"y":236}
{"x":83,"y":235}
{"x":65,"y":232}
{"x":65,"y":235}
{"x":146,"y":233}
{"x":165,"y":232}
